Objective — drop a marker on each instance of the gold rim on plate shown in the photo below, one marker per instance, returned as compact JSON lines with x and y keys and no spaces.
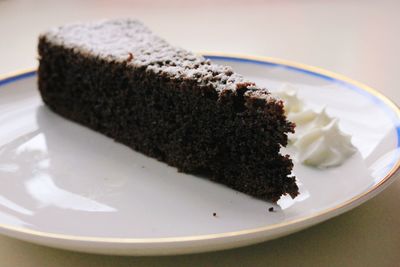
{"x":351,"y":203}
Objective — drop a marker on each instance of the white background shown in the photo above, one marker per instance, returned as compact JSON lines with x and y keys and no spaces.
{"x":360,"y":39}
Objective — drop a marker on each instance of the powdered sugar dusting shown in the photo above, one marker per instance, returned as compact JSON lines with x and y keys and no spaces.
{"x":128,"y":40}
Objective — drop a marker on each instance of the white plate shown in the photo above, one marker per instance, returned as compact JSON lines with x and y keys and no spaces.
{"x":65,"y":186}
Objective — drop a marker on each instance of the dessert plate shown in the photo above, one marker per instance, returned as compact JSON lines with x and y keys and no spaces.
{"x":65,"y":186}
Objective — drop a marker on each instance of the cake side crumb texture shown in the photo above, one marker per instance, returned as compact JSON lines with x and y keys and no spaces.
{"x":118,"y":78}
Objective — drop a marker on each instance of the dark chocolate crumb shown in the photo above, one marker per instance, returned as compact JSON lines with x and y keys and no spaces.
{"x":227,"y":131}
{"x":130,"y":57}
{"x":271,"y":209}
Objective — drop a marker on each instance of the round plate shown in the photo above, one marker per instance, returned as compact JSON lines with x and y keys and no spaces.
{"x":65,"y":186}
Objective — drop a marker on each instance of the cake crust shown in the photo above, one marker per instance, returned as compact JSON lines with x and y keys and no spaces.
{"x":118,"y":78}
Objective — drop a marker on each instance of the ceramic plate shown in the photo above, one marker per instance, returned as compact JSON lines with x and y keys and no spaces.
{"x":65,"y":186}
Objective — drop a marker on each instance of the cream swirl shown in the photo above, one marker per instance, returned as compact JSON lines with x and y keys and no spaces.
{"x":307,"y":120}
{"x":318,"y":139}
{"x":324,"y":146}
{"x":288,"y":94}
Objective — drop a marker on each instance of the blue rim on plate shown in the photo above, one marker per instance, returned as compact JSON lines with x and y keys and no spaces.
{"x":391,"y":109}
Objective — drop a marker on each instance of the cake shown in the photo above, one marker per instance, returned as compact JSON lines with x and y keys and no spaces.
{"x":118,"y":78}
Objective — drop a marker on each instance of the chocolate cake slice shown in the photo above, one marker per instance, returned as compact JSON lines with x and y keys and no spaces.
{"x":120,"y":79}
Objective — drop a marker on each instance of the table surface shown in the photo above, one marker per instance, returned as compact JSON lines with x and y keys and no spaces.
{"x":360,"y":39}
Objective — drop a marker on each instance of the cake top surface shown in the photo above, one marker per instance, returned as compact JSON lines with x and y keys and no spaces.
{"x":128,"y":40}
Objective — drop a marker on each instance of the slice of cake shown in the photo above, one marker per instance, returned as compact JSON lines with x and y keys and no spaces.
{"x":120,"y":79}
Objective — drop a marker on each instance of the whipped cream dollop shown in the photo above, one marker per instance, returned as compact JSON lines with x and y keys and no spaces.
{"x":318,"y":139}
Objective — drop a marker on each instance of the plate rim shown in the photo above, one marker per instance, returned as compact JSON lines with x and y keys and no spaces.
{"x":310,"y":219}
